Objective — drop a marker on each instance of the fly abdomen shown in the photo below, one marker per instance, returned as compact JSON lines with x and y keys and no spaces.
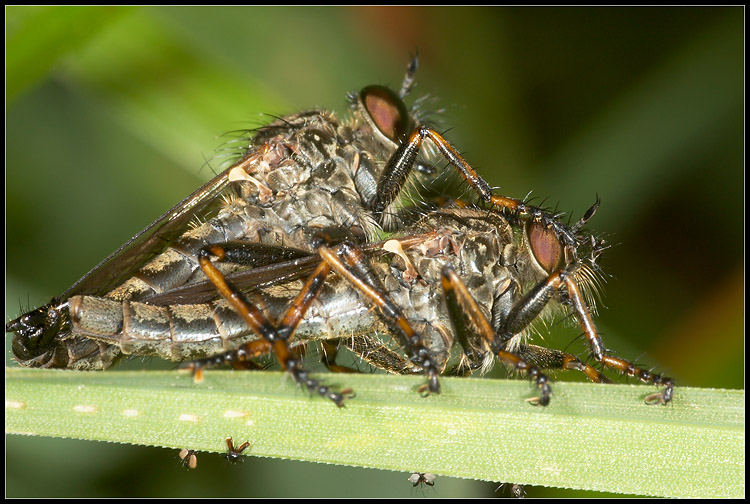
{"x":175,"y":333}
{"x":178,"y":263}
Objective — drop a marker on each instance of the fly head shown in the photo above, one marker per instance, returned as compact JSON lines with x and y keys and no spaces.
{"x":555,"y":246}
{"x":42,"y":338}
{"x":35,"y":333}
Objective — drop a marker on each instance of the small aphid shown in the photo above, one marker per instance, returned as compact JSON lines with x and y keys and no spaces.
{"x":189,"y":458}
{"x":515,"y":491}
{"x":234,"y":454}
{"x":419,"y":478}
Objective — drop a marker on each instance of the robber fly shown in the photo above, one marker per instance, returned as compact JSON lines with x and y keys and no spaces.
{"x":243,"y":266}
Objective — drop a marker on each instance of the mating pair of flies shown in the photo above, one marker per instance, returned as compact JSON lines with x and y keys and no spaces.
{"x":311,"y":236}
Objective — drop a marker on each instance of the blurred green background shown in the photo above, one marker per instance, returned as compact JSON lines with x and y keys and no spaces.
{"x":111,"y":112}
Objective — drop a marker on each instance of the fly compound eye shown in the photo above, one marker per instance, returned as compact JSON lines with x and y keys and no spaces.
{"x":545,"y":246}
{"x":387,"y":111}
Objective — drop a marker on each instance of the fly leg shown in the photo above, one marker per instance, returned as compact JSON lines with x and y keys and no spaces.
{"x":366,"y":347}
{"x":549,"y":358}
{"x":371,"y":350}
{"x":376,"y":352}
{"x":329,"y":350}
{"x":531,"y":305}
{"x":596,"y":345}
{"x":463,"y":308}
{"x":239,"y":358}
{"x":274,"y":337}
{"x":403,"y":160}
{"x":350,"y":263}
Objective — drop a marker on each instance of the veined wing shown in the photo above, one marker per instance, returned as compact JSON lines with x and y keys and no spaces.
{"x":292,"y":265}
{"x":151,"y":240}
{"x":247,"y":280}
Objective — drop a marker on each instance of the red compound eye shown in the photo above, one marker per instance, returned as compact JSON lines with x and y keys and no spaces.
{"x":545,"y":246}
{"x":387,"y":111}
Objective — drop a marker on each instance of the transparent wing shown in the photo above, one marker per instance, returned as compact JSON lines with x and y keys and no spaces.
{"x":150,"y":241}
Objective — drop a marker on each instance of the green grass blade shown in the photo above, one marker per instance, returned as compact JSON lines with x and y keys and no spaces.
{"x":593,"y":437}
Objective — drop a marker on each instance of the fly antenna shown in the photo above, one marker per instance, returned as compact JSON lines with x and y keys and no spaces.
{"x":589,"y":213}
{"x":411,"y":70}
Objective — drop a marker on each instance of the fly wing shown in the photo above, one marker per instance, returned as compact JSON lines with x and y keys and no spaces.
{"x":150,"y":241}
{"x":42,"y":337}
{"x":292,"y":264}
{"x":246,"y":281}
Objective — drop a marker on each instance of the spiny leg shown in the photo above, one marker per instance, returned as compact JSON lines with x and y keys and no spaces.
{"x":255,"y":255}
{"x":402,"y":161}
{"x":543,"y":358}
{"x":370,"y":349}
{"x":549,"y":358}
{"x":242,"y":358}
{"x":376,"y":352}
{"x":278,"y":338}
{"x":531,"y":305}
{"x":596,"y":345}
{"x":328,"y":352}
{"x":461,"y":305}
{"x":349,"y":262}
